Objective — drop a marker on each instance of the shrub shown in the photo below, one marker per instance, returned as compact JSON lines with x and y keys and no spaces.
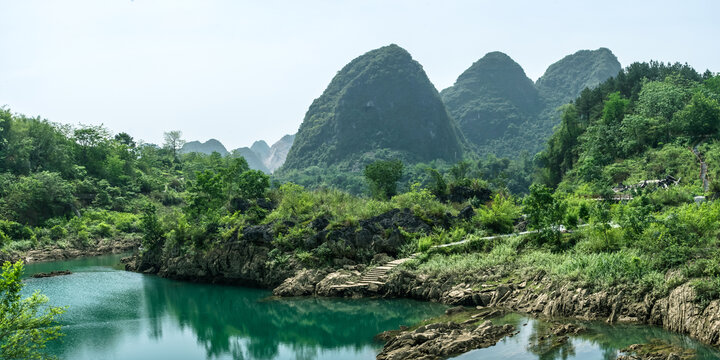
{"x":706,"y":290}
{"x":500,"y":216}
{"x":4,"y":239}
{"x":101,"y":230}
{"x":58,"y":232}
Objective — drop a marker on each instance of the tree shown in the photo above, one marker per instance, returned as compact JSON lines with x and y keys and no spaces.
{"x":26,"y":325}
{"x":701,"y":117}
{"x":173,"y":142}
{"x":545,"y":213}
{"x":253,"y":184}
{"x":152,"y":231}
{"x":383,"y":176}
{"x":38,"y":197}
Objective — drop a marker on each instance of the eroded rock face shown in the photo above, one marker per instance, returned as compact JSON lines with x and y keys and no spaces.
{"x":675,"y":312}
{"x":442,"y":340}
{"x":302,"y":284}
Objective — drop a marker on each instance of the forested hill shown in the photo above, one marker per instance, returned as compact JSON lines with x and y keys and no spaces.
{"x":641,"y":124}
{"x":564,"y":80}
{"x":501,"y":112}
{"x":382,"y":100}
{"x":491,"y":98}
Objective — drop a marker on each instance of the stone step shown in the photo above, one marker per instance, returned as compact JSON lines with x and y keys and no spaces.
{"x":372,"y":282}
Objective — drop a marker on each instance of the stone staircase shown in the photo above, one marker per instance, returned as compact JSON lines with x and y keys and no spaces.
{"x":376,"y":274}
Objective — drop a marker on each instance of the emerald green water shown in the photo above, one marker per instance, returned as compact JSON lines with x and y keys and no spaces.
{"x":114,"y":314}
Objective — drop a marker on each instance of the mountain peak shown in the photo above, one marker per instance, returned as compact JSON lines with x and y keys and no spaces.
{"x":380,"y":100}
{"x":564,"y":80}
{"x":490,"y":96}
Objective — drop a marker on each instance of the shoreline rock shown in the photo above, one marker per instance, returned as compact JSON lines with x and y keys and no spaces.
{"x":442,"y":340}
{"x":56,"y":253}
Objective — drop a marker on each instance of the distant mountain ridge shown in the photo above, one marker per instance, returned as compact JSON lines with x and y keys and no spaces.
{"x":207,"y":147}
{"x":259,"y":156}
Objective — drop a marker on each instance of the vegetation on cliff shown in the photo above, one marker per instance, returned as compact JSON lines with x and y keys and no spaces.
{"x":381,"y":100}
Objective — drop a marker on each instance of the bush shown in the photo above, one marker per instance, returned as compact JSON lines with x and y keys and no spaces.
{"x":706,"y":290}
{"x":4,"y":239}
{"x":16,"y":231}
{"x":101,"y":230}
{"x":58,"y":232}
{"x":500,"y":216}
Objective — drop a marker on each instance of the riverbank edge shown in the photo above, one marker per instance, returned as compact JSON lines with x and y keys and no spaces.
{"x":56,"y":253}
{"x":533,"y":294}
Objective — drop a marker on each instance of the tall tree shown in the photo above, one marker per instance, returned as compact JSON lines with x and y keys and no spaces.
{"x":174,"y":142}
{"x":383,"y":176}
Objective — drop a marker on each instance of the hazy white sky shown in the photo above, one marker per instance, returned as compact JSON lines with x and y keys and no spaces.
{"x":240,"y":71}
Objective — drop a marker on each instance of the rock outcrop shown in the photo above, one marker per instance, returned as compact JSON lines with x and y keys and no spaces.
{"x":442,"y":340}
{"x":656,"y":350}
{"x":676,"y":312}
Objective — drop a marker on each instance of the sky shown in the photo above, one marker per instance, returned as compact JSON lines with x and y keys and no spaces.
{"x":240,"y":71}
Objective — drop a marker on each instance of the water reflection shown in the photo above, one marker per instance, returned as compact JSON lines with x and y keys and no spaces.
{"x":219,"y":315}
{"x":119,"y":315}
{"x":115,"y":314}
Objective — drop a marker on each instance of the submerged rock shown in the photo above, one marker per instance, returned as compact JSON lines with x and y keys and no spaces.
{"x":656,"y":350}
{"x":52,"y":274}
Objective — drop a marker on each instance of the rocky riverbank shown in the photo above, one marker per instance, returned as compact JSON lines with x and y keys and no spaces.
{"x":253,"y":259}
{"x":54,"y":253}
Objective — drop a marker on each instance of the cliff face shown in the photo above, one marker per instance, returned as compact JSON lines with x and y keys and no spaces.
{"x":380,"y":100}
{"x":278,"y":152}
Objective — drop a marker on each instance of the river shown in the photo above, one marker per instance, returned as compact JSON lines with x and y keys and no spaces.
{"x":114,"y":314}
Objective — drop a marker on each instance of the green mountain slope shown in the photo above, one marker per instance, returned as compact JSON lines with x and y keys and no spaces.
{"x":564,"y":80}
{"x":501,"y":112}
{"x":381,"y":100}
{"x":641,"y":125}
{"x":252,"y":158}
{"x":491,"y":98}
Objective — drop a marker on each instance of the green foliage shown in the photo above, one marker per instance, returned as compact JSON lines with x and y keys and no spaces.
{"x":706,"y":290}
{"x":381,"y":100}
{"x":4,"y":239}
{"x":58,"y":232}
{"x":253,"y":184}
{"x":38,"y":197}
{"x":639,"y":109}
{"x":383,"y":177}
{"x":151,"y":229}
{"x":545,"y":213}
{"x":26,"y":325}
{"x":500,"y":216}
